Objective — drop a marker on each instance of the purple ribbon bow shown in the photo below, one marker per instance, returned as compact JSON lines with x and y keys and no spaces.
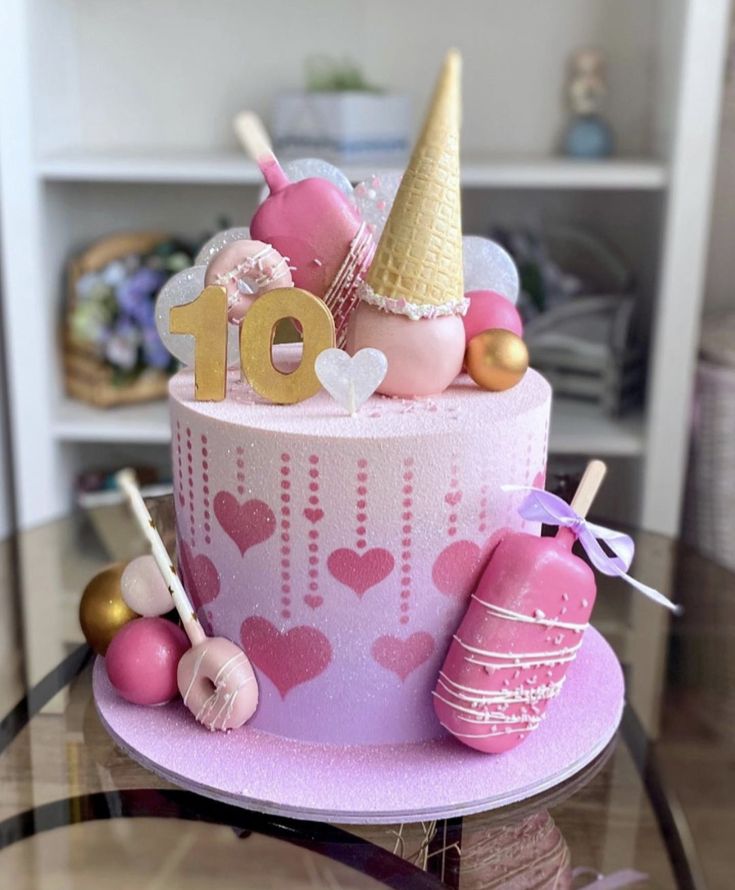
{"x":543,"y":506}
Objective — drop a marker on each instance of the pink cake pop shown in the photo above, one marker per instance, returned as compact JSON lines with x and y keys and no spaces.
{"x":490,"y":310}
{"x":523,"y":628}
{"x":313,"y":225}
{"x":214,"y":664}
{"x":247,"y":269}
{"x":143,"y":589}
{"x":142,"y":658}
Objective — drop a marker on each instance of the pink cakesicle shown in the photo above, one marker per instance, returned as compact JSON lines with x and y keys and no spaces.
{"x":522,"y":630}
{"x":328,"y":246}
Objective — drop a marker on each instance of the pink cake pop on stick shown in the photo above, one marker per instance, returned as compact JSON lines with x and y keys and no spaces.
{"x":215,"y":678}
{"x":526,"y":620}
{"x":327,"y":244}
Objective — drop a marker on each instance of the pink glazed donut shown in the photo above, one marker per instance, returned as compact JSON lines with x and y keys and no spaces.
{"x":247,"y":269}
{"x":218,"y":685}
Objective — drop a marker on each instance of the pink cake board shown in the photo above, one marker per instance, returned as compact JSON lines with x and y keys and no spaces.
{"x":372,"y":784}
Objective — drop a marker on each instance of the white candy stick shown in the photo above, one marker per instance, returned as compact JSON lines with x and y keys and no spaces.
{"x":128,"y":485}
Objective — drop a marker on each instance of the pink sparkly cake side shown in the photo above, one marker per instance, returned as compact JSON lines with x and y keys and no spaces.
{"x":341,"y":554}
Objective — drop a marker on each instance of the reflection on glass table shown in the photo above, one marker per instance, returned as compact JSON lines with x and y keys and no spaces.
{"x":74,"y":811}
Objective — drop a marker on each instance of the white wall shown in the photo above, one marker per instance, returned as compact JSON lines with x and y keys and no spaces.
{"x":208,"y":60}
{"x":720,"y":291}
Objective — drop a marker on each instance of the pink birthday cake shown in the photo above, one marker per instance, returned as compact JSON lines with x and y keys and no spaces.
{"x":339,"y":548}
{"x":358,"y":513}
{"x":340,"y":552}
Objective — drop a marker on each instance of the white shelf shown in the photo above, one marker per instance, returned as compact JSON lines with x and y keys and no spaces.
{"x":147,"y":423}
{"x":579,"y":428}
{"x":576,"y":428}
{"x":231,"y":167}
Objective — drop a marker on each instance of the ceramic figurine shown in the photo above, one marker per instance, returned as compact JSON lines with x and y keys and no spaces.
{"x":588,"y":134}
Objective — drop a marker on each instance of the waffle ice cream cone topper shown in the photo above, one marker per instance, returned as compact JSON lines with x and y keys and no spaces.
{"x":413,"y":297}
{"x":526,"y":621}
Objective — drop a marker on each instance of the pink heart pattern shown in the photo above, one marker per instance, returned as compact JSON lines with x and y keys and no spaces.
{"x":403,"y":656}
{"x":360,"y":571}
{"x":200,"y":576}
{"x":453,"y":498}
{"x":287,"y":658}
{"x":247,"y":524}
{"x":313,"y":601}
{"x":457,"y":568}
{"x":314,"y":515}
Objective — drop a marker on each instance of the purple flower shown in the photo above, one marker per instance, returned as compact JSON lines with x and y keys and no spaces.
{"x":155,"y":353}
{"x":135,"y":294}
{"x":121,"y":348}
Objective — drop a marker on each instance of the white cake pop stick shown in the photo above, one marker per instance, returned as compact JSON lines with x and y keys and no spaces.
{"x":215,"y":678}
{"x":128,"y":485}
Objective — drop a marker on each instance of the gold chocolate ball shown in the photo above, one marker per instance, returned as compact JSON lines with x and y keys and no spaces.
{"x":102,"y":610}
{"x":496,"y":359}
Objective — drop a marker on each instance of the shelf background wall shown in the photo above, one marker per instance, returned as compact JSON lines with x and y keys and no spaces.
{"x":114,"y":74}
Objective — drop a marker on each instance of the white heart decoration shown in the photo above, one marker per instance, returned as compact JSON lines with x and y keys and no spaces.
{"x":351,"y":380}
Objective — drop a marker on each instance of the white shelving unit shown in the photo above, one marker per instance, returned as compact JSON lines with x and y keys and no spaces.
{"x":231,"y":168}
{"x":109,"y":124}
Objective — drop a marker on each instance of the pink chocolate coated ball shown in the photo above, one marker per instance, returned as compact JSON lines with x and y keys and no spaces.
{"x":490,"y":310}
{"x":424,"y":355}
{"x":143,"y":658}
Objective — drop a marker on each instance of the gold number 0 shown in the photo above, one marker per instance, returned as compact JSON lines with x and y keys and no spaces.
{"x":256,"y":344}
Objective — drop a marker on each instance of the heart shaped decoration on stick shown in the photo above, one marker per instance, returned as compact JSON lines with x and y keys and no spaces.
{"x":351,"y":380}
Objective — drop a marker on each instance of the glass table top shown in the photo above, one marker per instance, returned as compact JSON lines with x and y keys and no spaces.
{"x":654,"y":810}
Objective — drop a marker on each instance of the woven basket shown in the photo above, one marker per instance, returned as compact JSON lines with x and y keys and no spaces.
{"x":86,"y":375}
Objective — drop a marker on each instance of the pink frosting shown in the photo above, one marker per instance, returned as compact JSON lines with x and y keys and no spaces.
{"x":340,"y":551}
{"x":522,"y":630}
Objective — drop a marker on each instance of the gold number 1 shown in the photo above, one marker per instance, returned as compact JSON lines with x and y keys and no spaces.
{"x":205,"y":318}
